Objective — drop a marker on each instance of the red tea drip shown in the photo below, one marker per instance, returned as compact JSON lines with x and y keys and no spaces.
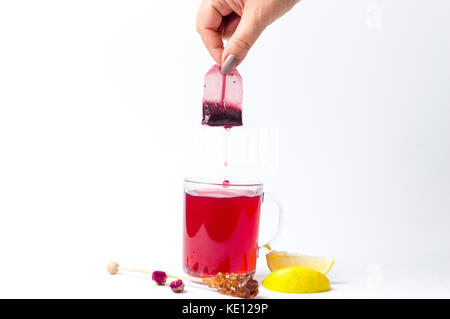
{"x":227,"y":139}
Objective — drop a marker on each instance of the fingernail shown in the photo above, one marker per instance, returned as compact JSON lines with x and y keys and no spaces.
{"x":229,"y":64}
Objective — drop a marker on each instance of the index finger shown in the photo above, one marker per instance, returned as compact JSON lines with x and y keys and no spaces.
{"x":209,"y":21}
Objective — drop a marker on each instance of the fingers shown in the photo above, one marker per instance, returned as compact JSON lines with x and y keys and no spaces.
{"x":243,"y":38}
{"x":230,"y":24}
{"x":209,"y":26}
{"x":215,"y":21}
{"x":241,"y":22}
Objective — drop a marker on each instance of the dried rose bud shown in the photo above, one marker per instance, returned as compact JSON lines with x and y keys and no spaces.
{"x":177,"y":286}
{"x":159,"y":277}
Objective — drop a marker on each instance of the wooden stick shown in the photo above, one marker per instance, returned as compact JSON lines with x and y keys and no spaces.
{"x":114,"y":267}
{"x":185,"y":277}
{"x":242,"y":285}
{"x":135,"y":270}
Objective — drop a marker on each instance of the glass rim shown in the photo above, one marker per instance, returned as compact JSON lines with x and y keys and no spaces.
{"x":204,"y":181}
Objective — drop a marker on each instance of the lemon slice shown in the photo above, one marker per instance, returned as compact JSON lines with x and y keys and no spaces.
{"x":281,"y":259}
{"x":296,"y":280}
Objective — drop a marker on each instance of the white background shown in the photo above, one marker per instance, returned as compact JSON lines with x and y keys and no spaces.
{"x":346,"y":119}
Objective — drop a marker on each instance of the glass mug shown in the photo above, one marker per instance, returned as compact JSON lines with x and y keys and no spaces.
{"x":221,"y":226}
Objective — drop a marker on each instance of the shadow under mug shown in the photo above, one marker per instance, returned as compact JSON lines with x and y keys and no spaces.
{"x":221,"y":226}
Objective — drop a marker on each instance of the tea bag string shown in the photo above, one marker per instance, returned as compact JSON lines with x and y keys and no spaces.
{"x":224,"y":87}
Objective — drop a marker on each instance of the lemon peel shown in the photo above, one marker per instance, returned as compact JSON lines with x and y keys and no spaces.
{"x":296,"y":280}
{"x":281,"y":259}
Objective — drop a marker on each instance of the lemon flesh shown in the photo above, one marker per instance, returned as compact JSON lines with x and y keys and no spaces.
{"x":281,"y":259}
{"x":296,"y":280}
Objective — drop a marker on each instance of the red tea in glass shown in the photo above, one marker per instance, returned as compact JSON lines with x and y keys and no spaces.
{"x":221,"y":223}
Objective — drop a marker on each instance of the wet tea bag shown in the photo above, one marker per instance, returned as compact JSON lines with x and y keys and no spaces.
{"x":222,"y":98}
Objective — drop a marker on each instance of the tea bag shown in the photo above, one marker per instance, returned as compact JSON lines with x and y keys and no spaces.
{"x":222,"y":98}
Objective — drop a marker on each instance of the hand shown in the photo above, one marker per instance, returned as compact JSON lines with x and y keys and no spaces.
{"x":239,"y":21}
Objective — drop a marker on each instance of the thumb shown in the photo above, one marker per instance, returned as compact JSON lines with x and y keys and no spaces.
{"x":237,"y":47}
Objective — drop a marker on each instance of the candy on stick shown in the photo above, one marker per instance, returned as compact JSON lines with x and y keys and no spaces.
{"x":222,"y":98}
{"x":236,"y":285}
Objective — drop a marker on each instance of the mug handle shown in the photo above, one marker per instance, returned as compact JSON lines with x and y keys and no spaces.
{"x":280,"y":226}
